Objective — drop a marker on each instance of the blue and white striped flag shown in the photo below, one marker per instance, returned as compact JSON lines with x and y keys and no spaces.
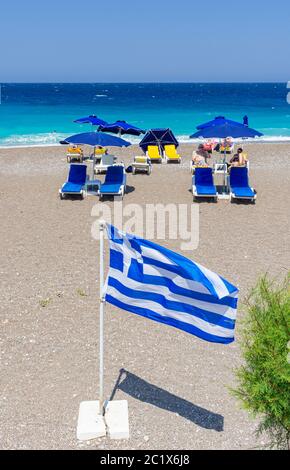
{"x":157,"y":283}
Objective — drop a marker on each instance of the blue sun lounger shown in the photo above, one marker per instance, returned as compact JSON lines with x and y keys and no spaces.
{"x":76,"y":181}
{"x":115,"y":182}
{"x":239,"y":184}
{"x":202,"y":183}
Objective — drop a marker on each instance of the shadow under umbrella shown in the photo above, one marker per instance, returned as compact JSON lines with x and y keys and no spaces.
{"x":144,"y":391}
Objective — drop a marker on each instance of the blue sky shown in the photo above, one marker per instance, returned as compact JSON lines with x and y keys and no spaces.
{"x":94,"y":41}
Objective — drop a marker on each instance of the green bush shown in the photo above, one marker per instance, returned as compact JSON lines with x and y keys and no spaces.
{"x":264,"y":379}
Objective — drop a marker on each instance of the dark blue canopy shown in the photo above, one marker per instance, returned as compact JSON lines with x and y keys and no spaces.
{"x":158,"y":137}
{"x":94,"y":139}
{"x":217,"y":121}
{"x":94,"y":120}
{"x":121,"y":127}
{"x":226,"y":130}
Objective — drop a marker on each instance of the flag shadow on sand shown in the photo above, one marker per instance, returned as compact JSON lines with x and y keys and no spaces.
{"x":146,"y":392}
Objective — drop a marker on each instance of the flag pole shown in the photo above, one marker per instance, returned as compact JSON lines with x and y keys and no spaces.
{"x":102,"y":225}
{"x":113,"y":415}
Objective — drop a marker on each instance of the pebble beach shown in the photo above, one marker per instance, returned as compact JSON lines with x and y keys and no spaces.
{"x":177,"y":386}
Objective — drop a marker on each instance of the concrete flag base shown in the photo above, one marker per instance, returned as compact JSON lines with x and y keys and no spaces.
{"x":92,"y":425}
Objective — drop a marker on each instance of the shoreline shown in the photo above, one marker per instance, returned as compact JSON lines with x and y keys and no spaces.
{"x":280,"y":141}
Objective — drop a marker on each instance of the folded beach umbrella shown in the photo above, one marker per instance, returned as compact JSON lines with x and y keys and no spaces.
{"x":219,"y":120}
{"x":92,"y":119}
{"x":158,"y":137}
{"x":94,"y":139}
{"x":121,"y":127}
{"x":224,"y":130}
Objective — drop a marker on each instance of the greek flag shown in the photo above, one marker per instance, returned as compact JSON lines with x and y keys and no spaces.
{"x":149,"y":280}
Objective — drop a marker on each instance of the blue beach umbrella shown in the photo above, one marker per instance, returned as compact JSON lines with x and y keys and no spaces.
{"x":158,"y":137}
{"x":94,"y":139}
{"x":224,"y":130}
{"x":92,"y":119}
{"x":121,"y":127}
{"x":219,"y":120}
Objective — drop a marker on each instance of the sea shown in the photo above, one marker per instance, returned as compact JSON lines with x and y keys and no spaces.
{"x":43,"y":114}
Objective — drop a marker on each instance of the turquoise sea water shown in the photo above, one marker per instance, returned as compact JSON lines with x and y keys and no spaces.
{"x":42,"y":114}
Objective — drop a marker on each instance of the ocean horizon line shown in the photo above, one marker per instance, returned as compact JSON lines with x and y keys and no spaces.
{"x":149,"y":82}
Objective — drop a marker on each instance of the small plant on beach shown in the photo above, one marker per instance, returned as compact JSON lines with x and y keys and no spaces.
{"x":81,"y":293}
{"x":264,"y":379}
{"x":45,"y":302}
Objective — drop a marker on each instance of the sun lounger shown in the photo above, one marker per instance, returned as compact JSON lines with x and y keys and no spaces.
{"x":239,"y":184}
{"x":100,"y":151}
{"x":141,"y":164}
{"x":76,"y":181}
{"x":153,"y":154}
{"x":170,"y":154}
{"x":202,"y":183}
{"x":106,"y":160}
{"x":115,"y":182}
{"x":74,"y":153}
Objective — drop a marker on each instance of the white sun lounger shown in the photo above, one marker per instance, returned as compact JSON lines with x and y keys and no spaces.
{"x":105,"y":162}
{"x":141,"y":165}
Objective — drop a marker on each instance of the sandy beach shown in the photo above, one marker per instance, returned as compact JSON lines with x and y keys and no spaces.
{"x":177,"y":386}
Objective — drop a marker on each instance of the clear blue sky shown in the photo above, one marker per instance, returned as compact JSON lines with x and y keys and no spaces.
{"x":149,"y":40}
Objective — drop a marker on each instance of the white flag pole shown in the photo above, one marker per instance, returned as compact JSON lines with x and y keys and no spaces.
{"x":98,"y":418}
{"x":91,"y":420}
{"x":114,"y":413}
{"x":102,"y":225}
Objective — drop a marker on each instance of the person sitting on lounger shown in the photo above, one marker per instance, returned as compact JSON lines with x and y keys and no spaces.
{"x":201,"y":156}
{"x":239,"y":159}
{"x":198,"y":160}
{"x":209,"y":145}
{"x":243,"y":159}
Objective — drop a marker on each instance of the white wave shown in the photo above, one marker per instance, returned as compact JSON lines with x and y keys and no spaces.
{"x":52,"y":139}
{"x":32,"y":140}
